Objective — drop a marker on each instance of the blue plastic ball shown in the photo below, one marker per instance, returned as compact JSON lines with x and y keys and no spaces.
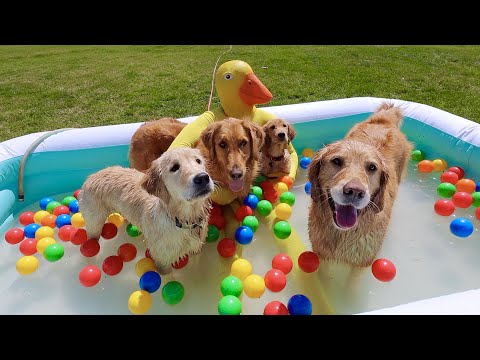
{"x":73,"y":206}
{"x":461,"y":227}
{"x":251,"y":201}
{"x":63,"y":219}
{"x":308,"y":187}
{"x":30,"y":230}
{"x":299,"y":305}
{"x":244,"y":235}
{"x":44,"y":202}
{"x":477,"y":188}
{"x":305,"y":161}
{"x":150,"y":281}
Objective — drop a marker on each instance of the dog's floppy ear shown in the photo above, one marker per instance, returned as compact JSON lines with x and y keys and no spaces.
{"x":313,"y":172}
{"x":266,"y":134}
{"x":257,"y":137}
{"x":379,"y":195}
{"x":208,"y":137}
{"x":291,"y":131}
{"x":153,"y":182}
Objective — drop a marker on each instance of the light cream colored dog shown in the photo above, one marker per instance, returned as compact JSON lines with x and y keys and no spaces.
{"x":169,"y":203}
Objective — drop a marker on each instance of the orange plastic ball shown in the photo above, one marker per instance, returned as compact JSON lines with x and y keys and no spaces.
{"x":49,"y":220}
{"x":425,"y":166}
{"x":466,"y":185}
{"x":287,"y":180}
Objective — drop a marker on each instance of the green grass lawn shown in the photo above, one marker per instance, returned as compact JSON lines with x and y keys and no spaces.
{"x":50,"y":87}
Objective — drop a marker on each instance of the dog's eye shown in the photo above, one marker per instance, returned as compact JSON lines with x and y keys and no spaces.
{"x":372,"y":167}
{"x":228,"y":76}
{"x":284,"y":125}
{"x":223,"y":145}
{"x":175,"y":167}
{"x":337,"y":161}
{"x":272,"y":127}
{"x":243,"y":143}
{"x":198,"y":161}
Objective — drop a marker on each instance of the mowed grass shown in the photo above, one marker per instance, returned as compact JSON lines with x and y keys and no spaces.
{"x":50,"y":87}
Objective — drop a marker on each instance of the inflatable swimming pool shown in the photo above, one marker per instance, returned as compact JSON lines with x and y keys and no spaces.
{"x":61,"y":162}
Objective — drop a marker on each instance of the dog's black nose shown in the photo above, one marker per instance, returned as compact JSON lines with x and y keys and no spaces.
{"x":201,"y":179}
{"x":281,"y":136}
{"x":236,"y":174}
{"x":354,"y":189}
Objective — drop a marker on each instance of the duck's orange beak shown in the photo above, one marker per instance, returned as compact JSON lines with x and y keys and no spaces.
{"x":253,"y":92}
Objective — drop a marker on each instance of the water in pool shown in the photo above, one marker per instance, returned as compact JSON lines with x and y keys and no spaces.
{"x":430,"y":261}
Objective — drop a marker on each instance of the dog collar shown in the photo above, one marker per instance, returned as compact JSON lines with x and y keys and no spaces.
{"x":185,"y":225}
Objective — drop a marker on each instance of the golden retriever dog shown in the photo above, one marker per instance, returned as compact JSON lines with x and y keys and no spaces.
{"x":231,"y":148}
{"x":169,"y":203}
{"x":354,"y":185}
{"x":275,"y":156}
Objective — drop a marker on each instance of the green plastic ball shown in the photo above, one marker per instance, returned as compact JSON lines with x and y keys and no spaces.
{"x":133,"y":231}
{"x":257,"y":191}
{"x":264,"y":207}
{"x":173,"y":292}
{"x":231,"y":285}
{"x":230,"y":305}
{"x":476,"y":199}
{"x":417,"y":155}
{"x":250,"y":221}
{"x":52,"y":205}
{"x":54,"y":252}
{"x":446,"y":189}
{"x":288,"y":198}
{"x":259,"y":179}
{"x":213,"y":233}
{"x":282,"y":230}
{"x":68,"y":199}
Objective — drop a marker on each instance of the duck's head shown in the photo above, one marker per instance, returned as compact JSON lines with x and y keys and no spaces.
{"x":238,"y":88}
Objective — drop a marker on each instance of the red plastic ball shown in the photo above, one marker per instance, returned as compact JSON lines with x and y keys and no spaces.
{"x":242,"y":212}
{"x":75,"y":194}
{"x":89,"y":276}
{"x":14,"y":236}
{"x":78,"y":236}
{"x":64,"y":232}
{"x":462,"y":199}
{"x":90,"y":248}
{"x":180,"y":263}
{"x":275,"y":280}
{"x":109,"y":231}
{"x":266,"y":185}
{"x":60,"y":210}
{"x":217,"y":220}
{"x":444,"y":207}
{"x":26,"y":218}
{"x":227,"y":247}
{"x":216,"y":210}
{"x":270,"y":195}
{"x":457,"y":170}
{"x":308,"y":261}
{"x":127,"y":252}
{"x":477,"y":213}
{"x":275,"y":308}
{"x":112,"y":265}
{"x":28,"y":246}
{"x":383,"y":270}
{"x":282,"y":262}
{"x":450,"y":177}
{"x":147,"y":253}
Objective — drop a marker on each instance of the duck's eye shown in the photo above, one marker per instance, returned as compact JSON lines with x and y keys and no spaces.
{"x":243,"y":143}
{"x":175,"y":167}
{"x":199,"y":161}
{"x":223,"y":145}
{"x":372,"y":167}
{"x":337,"y":161}
{"x":272,"y":127}
{"x":228,"y":76}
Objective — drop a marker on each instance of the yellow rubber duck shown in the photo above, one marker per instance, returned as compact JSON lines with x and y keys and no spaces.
{"x":239,"y":90}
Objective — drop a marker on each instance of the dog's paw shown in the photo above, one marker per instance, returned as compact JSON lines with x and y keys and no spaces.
{"x":162,"y":269}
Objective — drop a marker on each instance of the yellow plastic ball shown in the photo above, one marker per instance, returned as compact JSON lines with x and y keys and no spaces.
{"x":39,"y":215}
{"x":140,"y":302}
{"x":27,"y":265}
{"x":281,"y":187}
{"x":241,"y":268}
{"x":144,"y":265}
{"x":43,"y":243}
{"x":77,"y":220}
{"x":115,"y":219}
{"x":283,"y":211}
{"x":439,"y":165}
{"x":307,"y":152}
{"x":44,"y":231}
{"x":254,"y":286}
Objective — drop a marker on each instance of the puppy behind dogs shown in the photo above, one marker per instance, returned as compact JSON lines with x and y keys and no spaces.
{"x":354,"y":185}
{"x":275,"y":155}
{"x":169,"y":203}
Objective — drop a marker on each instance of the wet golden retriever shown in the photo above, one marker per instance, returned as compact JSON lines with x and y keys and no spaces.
{"x":354,"y":185}
{"x":231,"y":148}
{"x":169,"y":203}
{"x":275,"y":155}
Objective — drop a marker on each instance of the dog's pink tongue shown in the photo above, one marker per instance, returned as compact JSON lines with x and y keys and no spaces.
{"x":346,"y":215}
{"x":236,"y":185}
